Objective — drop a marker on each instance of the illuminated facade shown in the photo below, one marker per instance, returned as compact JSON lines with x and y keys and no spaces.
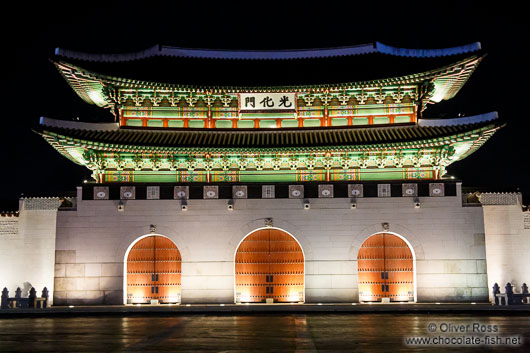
{"x":315,"y":193}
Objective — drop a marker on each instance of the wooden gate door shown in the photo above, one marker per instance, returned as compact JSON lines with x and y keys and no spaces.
{"x":385,"y":269}
{"x":153,"y":271}
{"x":269,"y":263}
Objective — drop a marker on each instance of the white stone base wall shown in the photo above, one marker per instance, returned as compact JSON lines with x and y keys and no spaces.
{"x":27,"y":251}
{"x":507,"y":246}
{"x":447,"y":240}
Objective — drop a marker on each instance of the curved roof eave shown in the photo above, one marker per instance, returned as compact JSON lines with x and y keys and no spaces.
{"x":207,"y":138}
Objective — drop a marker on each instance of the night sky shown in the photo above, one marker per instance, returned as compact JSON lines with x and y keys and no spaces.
{"x":32,"y":87}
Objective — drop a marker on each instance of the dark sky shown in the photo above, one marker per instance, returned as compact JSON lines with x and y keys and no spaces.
{"x":31,"y":86}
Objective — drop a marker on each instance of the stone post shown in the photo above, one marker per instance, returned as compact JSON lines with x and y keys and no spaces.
{"x":18,"y":293}
{"x":496,"y":290}
{"x":45,"y":295}
{"x":5,"y":296}
{"x":509,"y":293}
{"x":524,"y":288}
{"x":32,"y":297}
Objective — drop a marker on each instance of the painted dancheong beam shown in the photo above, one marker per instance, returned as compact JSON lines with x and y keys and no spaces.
{"x":162,"y":50}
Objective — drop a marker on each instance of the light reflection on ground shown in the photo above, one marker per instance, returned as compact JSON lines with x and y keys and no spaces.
{"x":243,"y":333}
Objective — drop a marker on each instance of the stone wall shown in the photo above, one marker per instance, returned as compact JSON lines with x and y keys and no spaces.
{"x":447,"y":239}
{"x":27,"y":246}
{"x":507,"y":244}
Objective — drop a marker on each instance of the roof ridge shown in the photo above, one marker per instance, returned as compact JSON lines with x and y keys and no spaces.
{"x":282,"y":54}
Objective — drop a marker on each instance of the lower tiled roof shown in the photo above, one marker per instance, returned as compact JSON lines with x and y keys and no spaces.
{"x":263,"y":138}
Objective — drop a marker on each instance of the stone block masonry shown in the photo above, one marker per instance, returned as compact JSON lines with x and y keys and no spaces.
{"x":92,"y":244}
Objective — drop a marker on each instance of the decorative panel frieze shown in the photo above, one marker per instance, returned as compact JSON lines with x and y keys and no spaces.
{"x":409,"y":190}
{"x":211,"y":192}
{"x":239,"y":192}
{"x":127,"y":193}
{"x":436,"y":189}
{"x":182,"y":192}
{"x":296,"y":191}
{"x":355,"y":190}
{"x":325,"y":190}
{"x":101,"y":192}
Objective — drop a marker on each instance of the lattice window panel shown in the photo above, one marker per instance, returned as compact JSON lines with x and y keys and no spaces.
{"x":267,"y":191}
{"x":383,"y":190}
{"x":436,"y":189}
{"x":182,"y":193}
{"x":409,"y":190}
{"x":153,"y":192}
{"x":296,"y":191}
{"x":127,"y":193}
{"x":526,"y":220}
{"x":325,"y":191}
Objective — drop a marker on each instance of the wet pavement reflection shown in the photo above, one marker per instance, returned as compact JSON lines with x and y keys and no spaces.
{"x":263,"y":333}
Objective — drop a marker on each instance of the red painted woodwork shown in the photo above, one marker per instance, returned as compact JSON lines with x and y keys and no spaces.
{"x":385,"y":267}
{"x":153,"y":271}
{"x":269,"y":263}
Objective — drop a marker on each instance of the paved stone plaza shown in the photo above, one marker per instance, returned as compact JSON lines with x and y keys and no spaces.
{"x":244,"y":333}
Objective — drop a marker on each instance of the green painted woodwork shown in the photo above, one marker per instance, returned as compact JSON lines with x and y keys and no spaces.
{"x":134,"y":122}
{"x":267,"y":124}
{"x":381,"y":120}
{"x":248,"y":176}
{"x":402,"y":119}
{"x":245,"y":124}
{"x":289,"y":123}
{"x":155,"y":123}
{"x":196,"y":124}
{"x":311,"y":122}
{"x":339,"y":122}
{"x":223,"y":124}
{"x":175,"y":123}
{"x":360,"y":121}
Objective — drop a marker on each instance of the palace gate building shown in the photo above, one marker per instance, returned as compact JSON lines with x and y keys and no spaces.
{"x":301,"y":193}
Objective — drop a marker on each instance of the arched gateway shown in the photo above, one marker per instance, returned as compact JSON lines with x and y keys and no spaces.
{"x":386,"y":269}
{"x":153,"y":271}
{"x":269,"y":264}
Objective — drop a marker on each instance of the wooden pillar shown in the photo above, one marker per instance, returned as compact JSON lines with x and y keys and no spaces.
{"x":209,"y":121}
